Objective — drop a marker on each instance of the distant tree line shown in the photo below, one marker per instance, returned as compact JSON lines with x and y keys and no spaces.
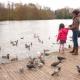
{"x":64,"y":13}
{"x":19,"y":11}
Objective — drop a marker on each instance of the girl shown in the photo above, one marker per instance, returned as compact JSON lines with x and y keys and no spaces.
{"x":62,"y":36}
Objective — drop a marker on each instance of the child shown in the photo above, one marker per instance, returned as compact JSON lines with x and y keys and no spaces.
{"x":62,"y":36}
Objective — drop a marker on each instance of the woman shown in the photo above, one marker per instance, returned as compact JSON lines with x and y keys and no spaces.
{"x":75,"y":28}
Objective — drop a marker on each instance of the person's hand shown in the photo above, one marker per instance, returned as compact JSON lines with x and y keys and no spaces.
{"x":70,"y":26}
{"x":57,"y":41}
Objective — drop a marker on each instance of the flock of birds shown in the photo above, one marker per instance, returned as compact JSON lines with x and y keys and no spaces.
{"x":57,"y":68}
{"x":33,"y":63}
{"x":27,"y":45}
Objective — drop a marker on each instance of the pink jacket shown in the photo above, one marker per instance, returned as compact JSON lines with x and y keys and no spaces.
{"x":62,"y":35}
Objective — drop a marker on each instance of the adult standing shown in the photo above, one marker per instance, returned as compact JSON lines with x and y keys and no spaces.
{"x":75,"y":29}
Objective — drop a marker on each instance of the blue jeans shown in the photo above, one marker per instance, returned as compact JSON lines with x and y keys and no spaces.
{"x":75,"y":38}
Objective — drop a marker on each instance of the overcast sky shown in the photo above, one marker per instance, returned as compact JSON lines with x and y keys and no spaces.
{"x":53,"y":4}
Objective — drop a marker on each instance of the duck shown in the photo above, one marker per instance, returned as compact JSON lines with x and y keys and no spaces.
{"x":40,"y":65}
{"x":56,"y":71}
{"x":31,"y":44}
{"x":60,"y":58}
{"x":27,"y":46}
{"x":16,"y":42}
{"x":31,"y":64}
{"x":22,"y":37}
{"x":0,"y":48}
{"x":69,"y":46}
{"x":21,"y":70}
{"x":78,"y":68}
{"x":55,"y":64}
{"x":42,"y":61}
{"x":6,"y":57}
{"x":14,"y":59}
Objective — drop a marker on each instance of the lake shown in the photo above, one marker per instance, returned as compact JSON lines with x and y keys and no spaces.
{"x":24,"y":32}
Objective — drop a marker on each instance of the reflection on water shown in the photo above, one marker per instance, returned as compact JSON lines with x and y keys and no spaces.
{"x":24,"y":32}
